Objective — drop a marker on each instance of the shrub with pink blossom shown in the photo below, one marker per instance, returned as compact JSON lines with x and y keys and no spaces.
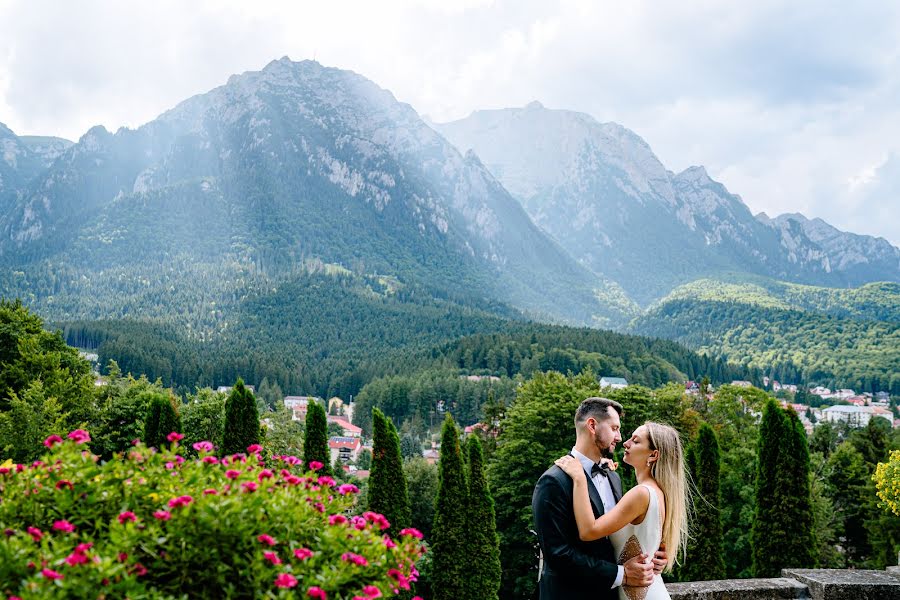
{"x":150,"y":524}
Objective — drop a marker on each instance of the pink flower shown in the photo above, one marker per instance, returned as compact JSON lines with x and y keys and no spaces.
{"x":326,"y":480}
{"x":358,"y":522}
{"x":402,"y":580}
{"x":77,"y":558}
{"x":317,"y":592}
{"x":127,"y":516}
{"x":210,"y":459}
{"x":63,"y":483}
{"x":315,"y":466}
{"x":210,"y":492}
{"x":232,"y":474}
{"x":4,"y":470}
{"x":377,"y":519}
{"x":272,"y":558}
{"x":337,"y":520}
{"x":139,"y":569}
{"x":356,"y":559}
{"x":267,"y":539}
{"x":203,"y":446}
{"x":411,"y":532}
{"x":372,"y":592}
{"x":291,"y":460}
{"x":180,"y":501}
{"x":388,"y":542}
{"x":162,"y":515}
{"x":35,"y":533}
{"x":174,"y":437}
{"x":249,"y":486}
{"x":293,"y":480}
{"x":63,"y":526}
{"x":254,"y":448}
{"x":303,"y":553}
{"x":170,"y":465}
{"x":79,"y":436}
{"x":265,"y":474}
{"x":347,"y":488}
{"x":52,"y":440}
{"x":51,"y":574}
{"x":285,"y":580}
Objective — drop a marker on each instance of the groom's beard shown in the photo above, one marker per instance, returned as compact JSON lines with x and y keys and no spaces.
{"x":605,"y":452}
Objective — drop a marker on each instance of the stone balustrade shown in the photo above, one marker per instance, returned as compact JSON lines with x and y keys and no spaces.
{"x":802,"y":584}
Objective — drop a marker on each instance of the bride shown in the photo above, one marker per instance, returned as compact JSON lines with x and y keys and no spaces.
{"x":653,"y":512}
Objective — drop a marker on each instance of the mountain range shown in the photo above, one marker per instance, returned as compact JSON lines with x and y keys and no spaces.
{"x":298,"y":169}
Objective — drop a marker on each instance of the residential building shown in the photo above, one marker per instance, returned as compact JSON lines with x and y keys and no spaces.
{"x":856,"y":416}
{"x":615,"y":383}
{"x":349,"y":430}
{"x":344,"y":448}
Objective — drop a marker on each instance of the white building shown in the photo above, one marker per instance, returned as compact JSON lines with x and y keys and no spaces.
{"x":615,"y":383}
{"x":856,"y":416}
{"x":226,"y":389}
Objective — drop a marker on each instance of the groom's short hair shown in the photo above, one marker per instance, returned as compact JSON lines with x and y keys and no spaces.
{"x":597,"y":408}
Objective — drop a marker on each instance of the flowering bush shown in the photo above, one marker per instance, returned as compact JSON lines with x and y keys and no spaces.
{"x":156,"y":525}
{"x":887,"y":482}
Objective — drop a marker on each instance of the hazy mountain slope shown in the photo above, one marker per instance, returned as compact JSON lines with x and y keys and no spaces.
{"x":291,"y":163}
{"x":602,"y":193}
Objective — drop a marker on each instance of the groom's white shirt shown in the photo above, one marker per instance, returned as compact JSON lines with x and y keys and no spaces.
{"x":606,"y":496}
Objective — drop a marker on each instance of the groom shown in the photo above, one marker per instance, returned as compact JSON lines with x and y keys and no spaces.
{"x":572,"y":569}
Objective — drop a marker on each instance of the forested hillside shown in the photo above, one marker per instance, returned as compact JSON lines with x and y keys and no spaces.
{"x":796,"y":334}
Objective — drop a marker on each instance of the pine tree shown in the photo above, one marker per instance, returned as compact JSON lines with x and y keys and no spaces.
{"x":388,"y":493}
{"x":484,"y":544}
{"x":450,"y":535}
{"x":704,"y":559}
{"x":161,"y":420}
{"x":241,"y":420}
{"x":315,"y":444}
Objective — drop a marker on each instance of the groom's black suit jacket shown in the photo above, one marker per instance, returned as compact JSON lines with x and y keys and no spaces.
{"x":573,"y":570}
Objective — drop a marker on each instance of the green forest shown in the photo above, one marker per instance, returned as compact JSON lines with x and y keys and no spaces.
{"x":795,"y":334}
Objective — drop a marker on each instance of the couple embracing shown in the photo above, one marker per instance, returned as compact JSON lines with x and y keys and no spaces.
{"x":596,"y":543}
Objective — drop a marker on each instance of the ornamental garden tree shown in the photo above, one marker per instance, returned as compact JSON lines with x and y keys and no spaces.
{"x":161,"y":420}
{"x":483,"y":580}
{"x":241,"y":420}
{"x":388,"y":493}
{"x":704,"y":555}
{"x":315,"y":444}
{"x":450,"y":536}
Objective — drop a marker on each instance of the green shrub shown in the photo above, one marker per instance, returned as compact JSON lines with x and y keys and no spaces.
{"x":154,"y":525}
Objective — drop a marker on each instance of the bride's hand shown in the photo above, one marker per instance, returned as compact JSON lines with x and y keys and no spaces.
{"x":570,"y":465}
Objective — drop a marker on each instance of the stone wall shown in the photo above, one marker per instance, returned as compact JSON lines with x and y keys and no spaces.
{"x":803,"y":584}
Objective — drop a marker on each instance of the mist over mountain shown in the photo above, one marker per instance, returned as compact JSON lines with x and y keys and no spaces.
{"x":600,"y":191}
{"x":293,"y":163}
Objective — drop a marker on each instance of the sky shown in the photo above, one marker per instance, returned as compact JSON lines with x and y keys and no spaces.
{"x":792,"y":105}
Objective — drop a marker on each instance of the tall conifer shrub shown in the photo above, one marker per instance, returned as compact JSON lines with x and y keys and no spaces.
{"x":704,"y":557}
{"x":484,"y":544}
{"x":160,"y":421}
{"x":241,"y":420}
{"x":388,"y":492}
{"x":450,"y":538}
{"x":315,"y":444}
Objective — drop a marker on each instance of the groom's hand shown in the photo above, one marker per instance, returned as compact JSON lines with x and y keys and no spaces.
{"x":660,"y":559}
{"x":637,"y":572}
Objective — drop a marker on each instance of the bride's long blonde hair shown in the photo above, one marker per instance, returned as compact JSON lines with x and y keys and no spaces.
{"x":669,"y":473}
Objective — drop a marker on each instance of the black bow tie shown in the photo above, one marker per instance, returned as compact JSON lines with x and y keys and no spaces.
{"x":602,"y":469}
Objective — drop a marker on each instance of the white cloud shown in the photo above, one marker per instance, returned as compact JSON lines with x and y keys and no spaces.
{"x":791,"y":105}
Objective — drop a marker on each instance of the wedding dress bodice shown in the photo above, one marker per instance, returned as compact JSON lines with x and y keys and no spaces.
{"x":644,"y":538}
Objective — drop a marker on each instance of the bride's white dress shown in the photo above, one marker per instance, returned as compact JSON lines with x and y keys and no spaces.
{"x":632,"y":540}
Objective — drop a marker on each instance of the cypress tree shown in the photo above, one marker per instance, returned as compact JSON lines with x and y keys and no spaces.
{"x":484,"y":544}
{"x":241,"y":420}
{"x":450,"y":537}
{"x":388,"y":492}
{"x":782,"y":530}
{"x":705,"y":559}
{"x":315,"y":444}
{"x":161,"y":420}
{"x":801,"y":545}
